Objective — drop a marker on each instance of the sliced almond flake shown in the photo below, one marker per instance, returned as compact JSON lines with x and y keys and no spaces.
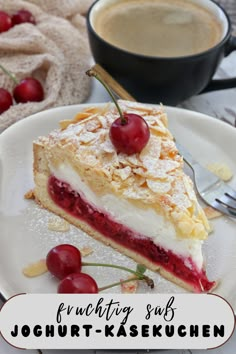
{"x":110,"y":160}
{"x":87,"y":137}
{"x":116,"y":185}
{"x":78,"y":129}
{"x":185,"y":227}
{"x":199,"y":231}
{"x":65,"y":123}
{"x":29,"y":194}
{"x":80,"y":116}
{"x":188,"y":184}
{"x":123,"y":173}
{"x":103,"y":121}
{"x":181,"y":201}
{"x":88,"y":158}
{"x":133,"y":160}
{"x":152,"y":149}
{"x":93,"y":125}
{"x":140,"y":171}
{"x":150,"y":165}
{"x":129,"y":287}
{"x":159,"y":187}
{"x":163,"y":118}
{"x":123,"y":160}
{"x":108,"y":173}
{"x":160,"y":168}
{"x":130,"y":181}
{"x":151,"y":120}
{"x":168,"y":146}
{"x":168,"y":165}
{"x":35,"y":269}
{"x":86,"y":251}
{"x":202,"y":216}
{"x":92,"y":110}
{"x":71,"y":131}
{"x":138,"y":193}
{"x":166,"y":203}
{"x":108,"y":147}
{"x":58,"y":224}
{"x":221,"y":170}
{"x":139,"y":180}
{"x":135,"y":105}
{"x":212,"y":213}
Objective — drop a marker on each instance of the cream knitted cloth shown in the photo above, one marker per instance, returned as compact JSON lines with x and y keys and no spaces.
{"x":55,"y":51}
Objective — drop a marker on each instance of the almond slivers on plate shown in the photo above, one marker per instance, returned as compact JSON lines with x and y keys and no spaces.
{"x":129,"y":287}
{"x":35,"y":269}
{"x":211,"y":213}
{"x":221,"y":170}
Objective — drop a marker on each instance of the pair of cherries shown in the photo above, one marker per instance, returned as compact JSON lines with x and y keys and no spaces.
{"x":64,"y":262}
{"x":21,"y":16}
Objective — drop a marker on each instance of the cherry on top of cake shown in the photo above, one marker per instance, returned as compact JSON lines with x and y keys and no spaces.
{"x":152,"y":178}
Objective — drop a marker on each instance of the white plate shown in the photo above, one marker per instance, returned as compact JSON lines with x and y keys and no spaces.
{"x":24,"y":235}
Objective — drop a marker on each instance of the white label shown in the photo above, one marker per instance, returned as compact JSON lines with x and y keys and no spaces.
{"x":133,"y":321}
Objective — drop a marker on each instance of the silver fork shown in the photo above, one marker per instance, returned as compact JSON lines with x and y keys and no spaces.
{"x":210,"y":188}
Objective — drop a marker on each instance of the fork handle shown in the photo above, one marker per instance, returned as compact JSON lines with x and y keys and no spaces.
{"x":188,"y":158}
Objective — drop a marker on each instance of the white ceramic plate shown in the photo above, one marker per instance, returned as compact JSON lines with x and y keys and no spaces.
{"x":24,"y":235}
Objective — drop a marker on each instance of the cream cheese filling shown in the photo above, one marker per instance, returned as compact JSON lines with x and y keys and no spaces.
{"x":143,"y":221}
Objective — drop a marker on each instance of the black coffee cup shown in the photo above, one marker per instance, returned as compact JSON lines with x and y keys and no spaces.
{"x":169,"y":80}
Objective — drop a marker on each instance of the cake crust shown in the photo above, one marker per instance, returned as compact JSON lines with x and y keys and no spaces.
{"x":154,"y":178}
{"x":43,"y":198}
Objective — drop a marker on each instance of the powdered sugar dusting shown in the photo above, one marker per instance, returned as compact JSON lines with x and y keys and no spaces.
{"x":154,"y":177}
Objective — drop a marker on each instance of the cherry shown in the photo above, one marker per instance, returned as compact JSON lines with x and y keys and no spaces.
{"x":23,"y":16}
{"x":5,"y":100}
{"x":130,"y":132}
{"x":63,"y":260}
{"x":129,"y":137}
{"x":5,"y":22}
{"x":28,"y":90}
{"x":78,"y":283}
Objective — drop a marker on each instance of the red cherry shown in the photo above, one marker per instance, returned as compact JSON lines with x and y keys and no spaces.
{"x":129,"y":133}
{"x":28,"y":90}
{"x":129,"y":137}
{"x":63,"y":260}
{"x":78,"y":283}
{"x":5,"y":100}
{"x":5,"y":22}
{"x":23,"y":16}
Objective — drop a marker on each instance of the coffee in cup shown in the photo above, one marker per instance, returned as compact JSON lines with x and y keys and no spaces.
{"x":163,"y":28}
{"x":161,"y":50}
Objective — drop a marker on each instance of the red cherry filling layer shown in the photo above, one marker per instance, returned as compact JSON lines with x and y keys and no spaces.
{"x":73,"y":203}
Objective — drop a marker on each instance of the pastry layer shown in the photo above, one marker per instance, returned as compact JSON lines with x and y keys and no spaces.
{"x":152,"y":179}
{"x":141,"y":220}
{"x":73,"y":207}
{"x":143,"y":205}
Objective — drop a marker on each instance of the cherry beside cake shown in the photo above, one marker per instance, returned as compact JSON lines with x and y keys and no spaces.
{"x":140,"y":203}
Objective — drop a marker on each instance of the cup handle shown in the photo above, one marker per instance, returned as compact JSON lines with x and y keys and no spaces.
{"x":223,"y":84}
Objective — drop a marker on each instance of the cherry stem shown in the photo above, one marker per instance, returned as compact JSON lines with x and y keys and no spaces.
{"x":118,"y":283}
{"x":7,"y":72}
{"x":92,"y":73}
{"x":138,"y":274}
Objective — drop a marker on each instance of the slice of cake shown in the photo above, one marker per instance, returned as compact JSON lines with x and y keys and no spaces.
{"x":141,"y":204}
